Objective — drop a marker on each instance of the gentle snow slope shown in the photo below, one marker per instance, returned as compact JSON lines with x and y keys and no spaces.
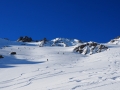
{"x":64,"y":70}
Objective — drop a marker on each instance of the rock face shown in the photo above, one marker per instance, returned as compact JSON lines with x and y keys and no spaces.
{"x":25,"y":39}
{"x":115,"y":40}
{"x":43,"y":42}
{"x":1,"y":56}
{"x":90,"y":48}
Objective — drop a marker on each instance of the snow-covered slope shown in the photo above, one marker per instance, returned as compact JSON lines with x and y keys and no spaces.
{"x":115,"y":41}
{"x":58,"y":68}
{"x":7,"y":43}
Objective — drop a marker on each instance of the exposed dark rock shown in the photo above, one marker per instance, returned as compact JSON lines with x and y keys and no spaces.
{"x":101,"y":47}
{"x":36,"y":41}
{"x":115,"y":40}
{"x":20,"y":39}
{"x":112,"y":41}
{"x":90,"y":48}
{"x":1,"y":56}
{"x":25,"y":39}
{"x":12,"y":53}
{"x":82,"y":46}
{"x":93,"y":44}
{"x":43,"y":42}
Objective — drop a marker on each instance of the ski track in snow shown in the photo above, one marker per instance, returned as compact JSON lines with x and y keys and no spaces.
{"x":68,"y":71}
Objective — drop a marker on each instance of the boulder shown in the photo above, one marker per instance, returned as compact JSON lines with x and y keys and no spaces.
{"x":13,"y":53}
{"x":1,"y":56}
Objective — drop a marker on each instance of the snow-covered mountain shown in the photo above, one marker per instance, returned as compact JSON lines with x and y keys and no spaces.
{"x":63,"y":42}
{"x":56,"y":66}
{"x":115,"y":40}
{"x":80,"y":46}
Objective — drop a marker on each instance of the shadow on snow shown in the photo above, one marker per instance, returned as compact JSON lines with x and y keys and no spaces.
{"x":9,"y":62}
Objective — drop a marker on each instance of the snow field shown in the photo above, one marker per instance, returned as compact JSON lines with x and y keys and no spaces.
{"x":64,"y":70}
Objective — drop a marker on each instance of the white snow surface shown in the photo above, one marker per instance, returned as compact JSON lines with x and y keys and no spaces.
{"x":64,"y":70}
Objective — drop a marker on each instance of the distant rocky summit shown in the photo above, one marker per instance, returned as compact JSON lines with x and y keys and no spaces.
{"x":24,"y":39}
{"x":90,"y":48}
{"x":62,"y":42}
{"x":115,"y":40}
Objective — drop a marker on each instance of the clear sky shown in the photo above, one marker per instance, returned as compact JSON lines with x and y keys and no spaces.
{"x":87,"y":20}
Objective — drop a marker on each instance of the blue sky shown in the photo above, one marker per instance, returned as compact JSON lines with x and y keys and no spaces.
{"x":87,"y":20}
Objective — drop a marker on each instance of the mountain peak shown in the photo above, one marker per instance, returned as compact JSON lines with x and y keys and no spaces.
{"x":60,"y":42}
{"x":115,"y":40}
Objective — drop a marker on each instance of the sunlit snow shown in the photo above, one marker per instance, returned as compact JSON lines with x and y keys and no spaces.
{"x":57,"y":68}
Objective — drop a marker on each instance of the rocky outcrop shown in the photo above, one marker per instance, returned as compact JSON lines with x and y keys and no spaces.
{"x":90,"y":48}
{"x":1,"y":56}
{"x":62,"y":42}
{"x":115,"y":40}
{"x":42,"y":42}
{"x":25,"y":39}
